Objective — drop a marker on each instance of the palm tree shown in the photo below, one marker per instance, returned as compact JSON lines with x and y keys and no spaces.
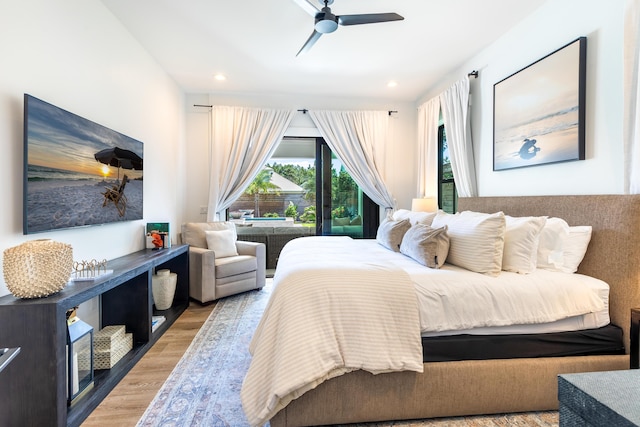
{"x":261,"y":184}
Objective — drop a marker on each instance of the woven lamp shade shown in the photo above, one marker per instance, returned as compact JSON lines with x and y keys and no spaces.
{"x":37,"y":268}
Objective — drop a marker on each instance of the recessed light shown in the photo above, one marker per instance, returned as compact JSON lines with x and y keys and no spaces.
{"x":392,"y":83}
{"x":220,"y":77}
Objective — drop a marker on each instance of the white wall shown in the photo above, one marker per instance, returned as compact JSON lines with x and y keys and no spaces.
{"x":76,"y":55}
{"x":399,"y":159}
{"x":553,"y":25}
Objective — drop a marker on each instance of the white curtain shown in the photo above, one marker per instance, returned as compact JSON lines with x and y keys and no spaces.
{"x":631,"y":132}
{"x":359,"y":138}
{"x":455,"y":113}
{"x":242,"y":141}
{"x":428,"y":115}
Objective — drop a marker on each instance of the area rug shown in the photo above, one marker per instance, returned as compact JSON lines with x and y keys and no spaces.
{"x":204,"y":387}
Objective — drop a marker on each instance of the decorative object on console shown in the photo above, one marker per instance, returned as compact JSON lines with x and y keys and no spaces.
{"x":87,"y":271}
{"x":112,"y":343}
{"x":539,"y":111}
{"x":157,"y":235}
{"x":37,"y":268}
{"x":424,"y":204}
{"x":163,"y":288}
{"x":79,"y":357}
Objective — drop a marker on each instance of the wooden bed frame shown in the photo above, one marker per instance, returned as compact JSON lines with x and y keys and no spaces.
{"x":473,"y":387}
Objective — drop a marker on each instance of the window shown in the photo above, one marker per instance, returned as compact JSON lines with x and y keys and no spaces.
{"x":447,"y":194}
{"x":305,"y":181}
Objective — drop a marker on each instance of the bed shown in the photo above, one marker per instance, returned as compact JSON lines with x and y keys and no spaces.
{"x":480,"y":385}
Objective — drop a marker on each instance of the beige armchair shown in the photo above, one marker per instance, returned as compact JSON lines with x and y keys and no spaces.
{"x":238,"y":267}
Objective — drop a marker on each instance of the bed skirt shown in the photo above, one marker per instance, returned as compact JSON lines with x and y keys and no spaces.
{"x":599,"y":341}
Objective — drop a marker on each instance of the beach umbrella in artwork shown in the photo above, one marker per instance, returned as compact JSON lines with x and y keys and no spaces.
{"x":120,"y":158}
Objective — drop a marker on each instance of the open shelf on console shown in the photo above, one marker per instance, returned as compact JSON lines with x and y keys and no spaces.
{"x":37,"y":395}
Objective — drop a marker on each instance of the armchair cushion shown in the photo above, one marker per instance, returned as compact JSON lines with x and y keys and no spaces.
{"x":232,"y":266}
{"x":193,"y":233}
{"x":222,"y":242}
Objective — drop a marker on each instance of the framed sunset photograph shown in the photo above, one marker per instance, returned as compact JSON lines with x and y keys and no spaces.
{"x":77,"y":172}
{"x":539,"y":111}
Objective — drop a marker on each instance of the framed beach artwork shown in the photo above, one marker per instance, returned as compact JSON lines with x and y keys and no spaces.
{"x":77,"y":172}
{"x":539,"y":111}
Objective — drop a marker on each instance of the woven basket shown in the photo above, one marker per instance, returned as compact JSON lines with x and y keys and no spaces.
{"x":163,"y":287}
{"x":37,"y":268}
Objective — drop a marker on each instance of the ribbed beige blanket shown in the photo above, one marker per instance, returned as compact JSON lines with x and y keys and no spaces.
{"x":331,"y":311}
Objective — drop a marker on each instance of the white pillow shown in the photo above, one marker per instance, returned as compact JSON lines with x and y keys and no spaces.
{"x":476,"y":240}
{"x":521,"y":238}
{"x":222,"y":242}
{"x":562,"y":248}
{"x":552,"y":236}
{"x":575,"y":247}
{"x":414,"y":217}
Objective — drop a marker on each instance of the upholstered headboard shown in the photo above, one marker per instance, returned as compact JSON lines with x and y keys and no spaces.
{"x":613,"y":254}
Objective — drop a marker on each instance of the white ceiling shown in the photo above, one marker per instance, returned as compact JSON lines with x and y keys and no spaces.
{"x":254,"y":43}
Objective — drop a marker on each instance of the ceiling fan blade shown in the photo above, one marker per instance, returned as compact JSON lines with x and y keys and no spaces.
{"x":308,"y":7}
{"x":309,"y":43}
{"x":368,"y":18}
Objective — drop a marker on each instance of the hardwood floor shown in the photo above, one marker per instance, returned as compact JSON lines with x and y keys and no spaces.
{"x":129,"y":399}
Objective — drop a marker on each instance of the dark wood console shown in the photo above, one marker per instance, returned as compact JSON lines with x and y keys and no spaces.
{"x":33,"y":386}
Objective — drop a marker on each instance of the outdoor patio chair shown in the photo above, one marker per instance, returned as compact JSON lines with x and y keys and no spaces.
{"x":116,"y":195}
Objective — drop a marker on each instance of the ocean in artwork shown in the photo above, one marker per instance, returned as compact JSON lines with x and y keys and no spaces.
{"x":58,"y":198}
{"x":547,"y":139}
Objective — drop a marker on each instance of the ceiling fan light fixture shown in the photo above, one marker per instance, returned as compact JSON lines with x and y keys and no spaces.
{"x":327,"y":24}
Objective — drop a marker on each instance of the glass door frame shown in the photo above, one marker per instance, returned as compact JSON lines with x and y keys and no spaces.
{"x":370,"y":210}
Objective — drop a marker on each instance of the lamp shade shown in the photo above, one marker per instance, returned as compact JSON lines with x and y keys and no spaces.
{"x":424,"y":204}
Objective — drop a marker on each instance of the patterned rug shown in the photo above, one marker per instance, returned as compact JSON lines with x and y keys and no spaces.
{"x":204,"y":387}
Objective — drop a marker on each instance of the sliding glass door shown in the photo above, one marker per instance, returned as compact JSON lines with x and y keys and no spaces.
{"x":306,"y":184}
{"x":346,"y":209}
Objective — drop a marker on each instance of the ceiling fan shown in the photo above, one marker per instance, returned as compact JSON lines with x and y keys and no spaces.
{"x":326,"y":22}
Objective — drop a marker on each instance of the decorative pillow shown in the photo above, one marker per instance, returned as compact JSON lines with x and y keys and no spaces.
{"x":562,"y":248}
{"x":429,"y":246}
{"x":476,"y":240}
{"x":552,"y":236}
{"x":193,"y":233}
{"x":521,"y":238}
{"x":390,"y":233}
{"x":222,"y":242}
{"x":414,"y":217}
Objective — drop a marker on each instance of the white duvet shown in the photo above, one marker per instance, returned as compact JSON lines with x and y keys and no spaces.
{"x":340,"y":304}
{"x":455,"y":299}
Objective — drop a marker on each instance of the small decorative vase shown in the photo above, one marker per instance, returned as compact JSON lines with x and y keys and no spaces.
{"x":163,"y":287}
{"x":37,"y":268}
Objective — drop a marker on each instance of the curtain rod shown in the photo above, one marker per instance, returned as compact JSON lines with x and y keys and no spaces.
{"x":304,"y":111}
{"x":474,"y":73}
